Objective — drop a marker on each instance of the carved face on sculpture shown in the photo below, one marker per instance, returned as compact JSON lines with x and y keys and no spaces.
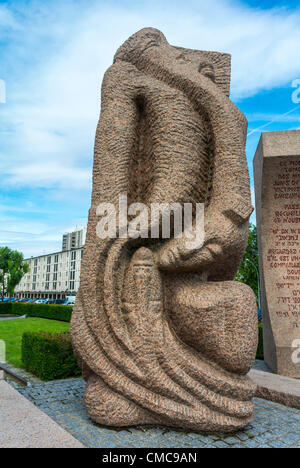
{"x":207,"y":69}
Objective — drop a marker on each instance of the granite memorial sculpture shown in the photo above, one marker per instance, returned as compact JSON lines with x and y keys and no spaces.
{"x":277,"y":191}
{"x":162,"y":333}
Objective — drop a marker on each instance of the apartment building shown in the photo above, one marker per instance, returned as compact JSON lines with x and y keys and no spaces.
{"x":53,"y":276}
{"x":74,"y":240}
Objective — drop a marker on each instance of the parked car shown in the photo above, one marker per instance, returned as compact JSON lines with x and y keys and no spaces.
{"x":69,"y":302}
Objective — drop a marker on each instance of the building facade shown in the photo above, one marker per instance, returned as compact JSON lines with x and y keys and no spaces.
{"x":74,"y":240}
{"x":53,"y":276}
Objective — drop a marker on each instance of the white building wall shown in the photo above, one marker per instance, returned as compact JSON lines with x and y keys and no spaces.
{"x":52,"y":276}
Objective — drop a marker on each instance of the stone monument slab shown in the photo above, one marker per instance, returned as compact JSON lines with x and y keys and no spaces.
{"x":277,"y":190}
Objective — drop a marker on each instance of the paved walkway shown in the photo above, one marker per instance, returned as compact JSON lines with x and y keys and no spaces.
{"x":9,"y":318}
{"x":23,"y":425}
{"x":274,"y":426}
{"x":31,"y":379}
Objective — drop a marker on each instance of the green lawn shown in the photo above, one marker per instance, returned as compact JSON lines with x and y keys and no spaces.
{"x":11,"y":332}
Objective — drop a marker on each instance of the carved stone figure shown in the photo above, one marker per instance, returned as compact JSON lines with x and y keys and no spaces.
{"x":162,"y":333}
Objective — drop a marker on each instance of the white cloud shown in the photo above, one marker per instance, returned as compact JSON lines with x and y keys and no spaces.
{"x":34,"y":237}
{"x":54,"y":102}
{"x":57,"y":53}
{"x":6,"y":18}
{"x":268,"y":117}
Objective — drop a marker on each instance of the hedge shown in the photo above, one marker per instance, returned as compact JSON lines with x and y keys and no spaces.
{"x":5,"y":308}
{"x":62,"y":313}
{"x":49,"y":356}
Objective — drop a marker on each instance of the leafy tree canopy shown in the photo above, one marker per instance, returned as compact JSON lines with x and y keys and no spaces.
{"x":12,"y":269}
{"x":248,"y":271}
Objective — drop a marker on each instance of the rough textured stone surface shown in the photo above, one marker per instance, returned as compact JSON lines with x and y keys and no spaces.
{"x":277,"y":388}
{"x":277,"y":190}
{"x":162,"y":333}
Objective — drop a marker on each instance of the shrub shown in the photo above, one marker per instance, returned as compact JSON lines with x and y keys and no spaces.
{"x":54,"y":312}
{"x":5,"y":308}
{"x":260,"y":349}
{"x":49,"y":356}
{"x":48,"y":311}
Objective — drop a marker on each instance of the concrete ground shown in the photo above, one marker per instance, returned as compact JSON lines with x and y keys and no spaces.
{"x":23,"y":425}
{"x":14,"y":317}
{"x":274,"y":426}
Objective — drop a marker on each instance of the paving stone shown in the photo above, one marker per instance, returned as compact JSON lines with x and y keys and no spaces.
{"x":273,"y":426}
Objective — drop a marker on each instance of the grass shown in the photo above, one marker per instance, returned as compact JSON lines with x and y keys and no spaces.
{"x":11,"y":332}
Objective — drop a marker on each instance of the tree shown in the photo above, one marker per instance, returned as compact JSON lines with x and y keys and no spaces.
{"x":249,"y":268}
{"x":16,"y":270}
{"x":12,"y":269}
{"x":4,"y":258}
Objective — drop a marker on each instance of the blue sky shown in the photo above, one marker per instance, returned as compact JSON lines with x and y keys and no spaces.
{"x":53,"y":55}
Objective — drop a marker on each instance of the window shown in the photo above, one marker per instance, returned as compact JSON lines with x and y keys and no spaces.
{"x":72,"y":275}
{"x":33,"y":286}
{"x":55,"y":277}
{"x":56,"y":259}
{"x":72,"y":285}
{"x":49,"y":260}
{"x":48,"y":277}
{"x":47,"y":286}
{"x":35,"y":262}
{"x":73,"y":265}
{"x":48,"y":268}
{"x":73,"y":256}
{"x":34,"y":278}
{"x":56,"y":267}
{"x":81,"y":253}
{"x":54,"y":286}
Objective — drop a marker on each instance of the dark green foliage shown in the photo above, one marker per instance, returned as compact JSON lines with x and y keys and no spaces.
{"x":5,"y":308}
{"x":49,"y":356}
{"x":49,"y":311}
{"x":249,"y":267}
{"x":12,"y":269}
{"x":260,"y":349}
